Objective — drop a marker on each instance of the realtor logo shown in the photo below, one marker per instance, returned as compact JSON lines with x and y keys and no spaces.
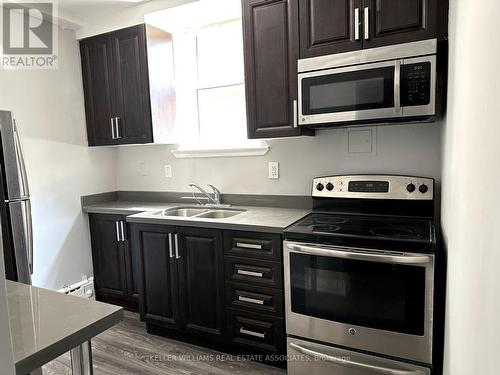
{"x":29,"y":35}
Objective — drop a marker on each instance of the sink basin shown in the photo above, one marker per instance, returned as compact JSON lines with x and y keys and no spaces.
{"x":219,"y":214}
{"x":199,"y":212}
{"x":182,"y":211}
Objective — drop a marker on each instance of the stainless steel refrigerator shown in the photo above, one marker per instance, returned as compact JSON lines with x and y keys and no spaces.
{"x":15,"y":205}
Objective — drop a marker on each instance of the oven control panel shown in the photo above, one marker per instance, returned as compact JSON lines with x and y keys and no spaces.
{"x":374,"y":187}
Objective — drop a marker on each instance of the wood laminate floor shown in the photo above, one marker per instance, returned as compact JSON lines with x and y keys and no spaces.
{"x":126,"y":349}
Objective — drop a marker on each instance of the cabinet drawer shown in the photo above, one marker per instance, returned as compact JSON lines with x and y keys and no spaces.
{"x":259,"y":333}
{"x":252,"y":271}
{"x":254,"y":298}
{"x":253,"y":245}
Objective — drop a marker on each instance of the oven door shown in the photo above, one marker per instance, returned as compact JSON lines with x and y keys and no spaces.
{"x":361,"y":92}
{"x":371,"y":300}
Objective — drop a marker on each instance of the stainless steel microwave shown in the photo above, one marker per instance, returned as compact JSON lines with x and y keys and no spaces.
{"x":374,"y":85}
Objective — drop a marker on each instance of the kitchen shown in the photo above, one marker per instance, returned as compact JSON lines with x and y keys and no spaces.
{"x":148,"y":98}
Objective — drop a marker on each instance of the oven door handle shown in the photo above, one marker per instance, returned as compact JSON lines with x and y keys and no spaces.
{"x":353,"y":364}
{"x":334,"y":252}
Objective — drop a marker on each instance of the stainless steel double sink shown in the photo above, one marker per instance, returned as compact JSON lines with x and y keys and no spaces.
{"x":199,"y":212}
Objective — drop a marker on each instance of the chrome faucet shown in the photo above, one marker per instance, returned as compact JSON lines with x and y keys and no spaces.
{"x":215,"y":200}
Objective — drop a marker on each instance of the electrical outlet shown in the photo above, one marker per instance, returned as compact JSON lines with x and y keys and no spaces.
{"x":274,"y":169}
{"x":168,"y":171}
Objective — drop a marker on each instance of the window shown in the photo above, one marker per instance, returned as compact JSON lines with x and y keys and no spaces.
{"x":209,"y":75}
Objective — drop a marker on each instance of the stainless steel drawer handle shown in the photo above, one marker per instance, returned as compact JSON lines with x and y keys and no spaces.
{"x":341,"y":361}
{"x":255,"y":301}
{"x":250,"y":273}
{"x":244,"y":245}
{"x":252,"y":333}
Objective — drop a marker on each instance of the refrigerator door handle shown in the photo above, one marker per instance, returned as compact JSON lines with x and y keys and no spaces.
{"x":29,"y":234}
{"x":21,"y":165}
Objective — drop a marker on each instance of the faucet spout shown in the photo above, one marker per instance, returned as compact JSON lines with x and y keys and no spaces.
{"x":214,"y":200}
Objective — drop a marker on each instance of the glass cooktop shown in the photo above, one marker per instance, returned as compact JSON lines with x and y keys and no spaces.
{"x":385,"y":228}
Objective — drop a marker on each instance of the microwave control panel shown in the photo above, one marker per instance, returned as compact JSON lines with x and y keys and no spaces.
{"x":415,"y":84}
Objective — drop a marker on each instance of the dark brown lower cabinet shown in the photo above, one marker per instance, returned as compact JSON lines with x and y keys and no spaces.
{"x":188,"y":288}
{"x":114,"y":266}
{"x":182,"y":279}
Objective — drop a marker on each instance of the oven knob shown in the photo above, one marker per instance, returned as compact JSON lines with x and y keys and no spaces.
{"x":352,"y":331}
{"x":320,"y":186}
{"x":423,"y":189}
{"x":410,"y":188}
{"x":329,"y":186}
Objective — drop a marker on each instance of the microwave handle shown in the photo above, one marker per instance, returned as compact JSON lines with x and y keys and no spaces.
{"x":295,"y":115}
{"x":397,"y":86}
{"x":335,"y":252}
{"x":348,"y":363}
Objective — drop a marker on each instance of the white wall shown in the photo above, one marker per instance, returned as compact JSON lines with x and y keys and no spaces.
{"x":49,"y":108}
{"x":403,"y":149}
{"x":471,"y":182}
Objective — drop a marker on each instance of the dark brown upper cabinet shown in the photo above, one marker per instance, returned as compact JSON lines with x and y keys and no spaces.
{"x":270,"y":38}
{"x":402,"y":21}
{"x":129,"y":99}
{"x":329,"y":26}
{"x":335,"y":26}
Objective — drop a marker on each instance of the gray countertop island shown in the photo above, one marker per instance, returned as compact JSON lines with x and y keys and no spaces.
{"x":46,"y":324}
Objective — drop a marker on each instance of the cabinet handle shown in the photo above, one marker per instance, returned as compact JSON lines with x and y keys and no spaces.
{"x":113,"y":135}
{"x":248,"y":245}
{"x":367,"y":23}
{"x":255,"y":301}
{"x":117,"y":124}
{"x":122,"y":226}
{"x":252,"y":333}
{"x":295,"y":113}
{"x":170,"y":246}
{"x":250,"y":273}
{"x":176,"y":240}
{"x":356,"y":24}
{"x":117,"y":231}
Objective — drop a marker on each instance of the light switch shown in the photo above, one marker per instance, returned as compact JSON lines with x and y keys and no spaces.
{"x":361,"y":141}
{"x":168,"y":171}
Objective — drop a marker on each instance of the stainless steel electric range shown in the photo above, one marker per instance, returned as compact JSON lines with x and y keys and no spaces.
{"x":360,"y":278}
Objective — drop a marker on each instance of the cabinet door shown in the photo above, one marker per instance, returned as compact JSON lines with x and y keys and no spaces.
{"x":108,"y":257}
{"x":401,"y":21}
{"x":201,"y":278}
{"x":97,"y":82}
{"x":131,"y":264}
{"x":131,"y":85}
{"x":158,"y":297}
{"x":270,"y":38}
{"x":328,"y":26}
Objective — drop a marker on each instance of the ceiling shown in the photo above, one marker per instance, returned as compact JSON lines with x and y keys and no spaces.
{"x":74,"y":14}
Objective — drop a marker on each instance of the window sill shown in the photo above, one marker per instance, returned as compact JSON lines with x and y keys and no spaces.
{"x":217,"y":153}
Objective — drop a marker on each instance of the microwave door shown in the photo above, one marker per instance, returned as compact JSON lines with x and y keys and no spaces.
{"x":356,"y":93}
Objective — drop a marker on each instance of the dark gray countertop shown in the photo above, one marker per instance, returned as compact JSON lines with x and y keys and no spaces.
{"x":262,"y":219}
{"x":45,"y":324}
